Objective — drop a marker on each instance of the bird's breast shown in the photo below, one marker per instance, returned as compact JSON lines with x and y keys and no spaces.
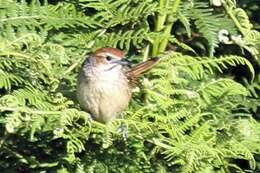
{"x":104,"y":94}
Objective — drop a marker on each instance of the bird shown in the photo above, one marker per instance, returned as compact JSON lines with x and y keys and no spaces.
{"x":105,"y":83}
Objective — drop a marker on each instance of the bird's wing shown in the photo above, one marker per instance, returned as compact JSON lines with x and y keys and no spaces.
{"x":134,"y":72}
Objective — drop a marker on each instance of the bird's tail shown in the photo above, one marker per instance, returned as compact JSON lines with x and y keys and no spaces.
{"x":141,"y":68}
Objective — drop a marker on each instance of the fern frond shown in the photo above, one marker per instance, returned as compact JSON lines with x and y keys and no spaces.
{"x":184,"y":116}
{"x":250,"y":40}
{"x":34,"y":97}
{"x":208,"y":23}
{"x":9,"y":79}
{"x":253,"y":86}
{"x":124,"y":39}
{"x":220,"y":88}
{"x":196,"y":68}
{"x":35,"y":15}
{"x":112,"y":13}
{"x":243,"y":19}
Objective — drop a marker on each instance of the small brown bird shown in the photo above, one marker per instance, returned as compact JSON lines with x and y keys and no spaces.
{"x":104,"y":83}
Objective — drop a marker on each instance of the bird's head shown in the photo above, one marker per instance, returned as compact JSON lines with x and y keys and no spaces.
{"x":108,"y":58}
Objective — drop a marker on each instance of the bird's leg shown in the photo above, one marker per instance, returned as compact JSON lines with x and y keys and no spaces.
{"x":123,"y":128}
{"x":90,"y":118}
{"x":107,"y":138}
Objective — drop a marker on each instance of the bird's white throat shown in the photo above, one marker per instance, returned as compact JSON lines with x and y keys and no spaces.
{"x":107,"y":72}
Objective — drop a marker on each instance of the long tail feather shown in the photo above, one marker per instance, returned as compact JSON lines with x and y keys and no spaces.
{"x":141,"y":68}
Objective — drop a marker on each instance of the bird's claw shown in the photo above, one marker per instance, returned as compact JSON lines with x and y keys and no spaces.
{"x":123,"y":129}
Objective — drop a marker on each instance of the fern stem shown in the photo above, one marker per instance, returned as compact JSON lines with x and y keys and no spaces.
{"x":161,"y":17}
{"x":14,"y":54}
{"x":26,"y":110}
{"x":159,"y":25}
{"x":160,"y":45}
{"x":20,"y":38}
{"x":20,"y":18}
{"x":168,"y":28}
{"x":146,"y":52}
{"x":167,"y":34}
{"x":73,"y":66}
{"x":176,"y":5}
{"x":16,"y":154}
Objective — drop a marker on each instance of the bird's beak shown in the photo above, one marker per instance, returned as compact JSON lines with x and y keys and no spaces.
{"x":121,"y":62}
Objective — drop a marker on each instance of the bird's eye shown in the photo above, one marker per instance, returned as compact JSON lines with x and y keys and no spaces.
{"x":109,"y":58}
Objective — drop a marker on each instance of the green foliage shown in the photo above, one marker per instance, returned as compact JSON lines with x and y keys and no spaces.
{"x":205,"y":21}
{"x":191,"y":113}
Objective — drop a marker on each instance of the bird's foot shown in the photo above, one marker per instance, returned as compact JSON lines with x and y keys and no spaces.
{"x":90,"y":119}
{"x":123,"y":129}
